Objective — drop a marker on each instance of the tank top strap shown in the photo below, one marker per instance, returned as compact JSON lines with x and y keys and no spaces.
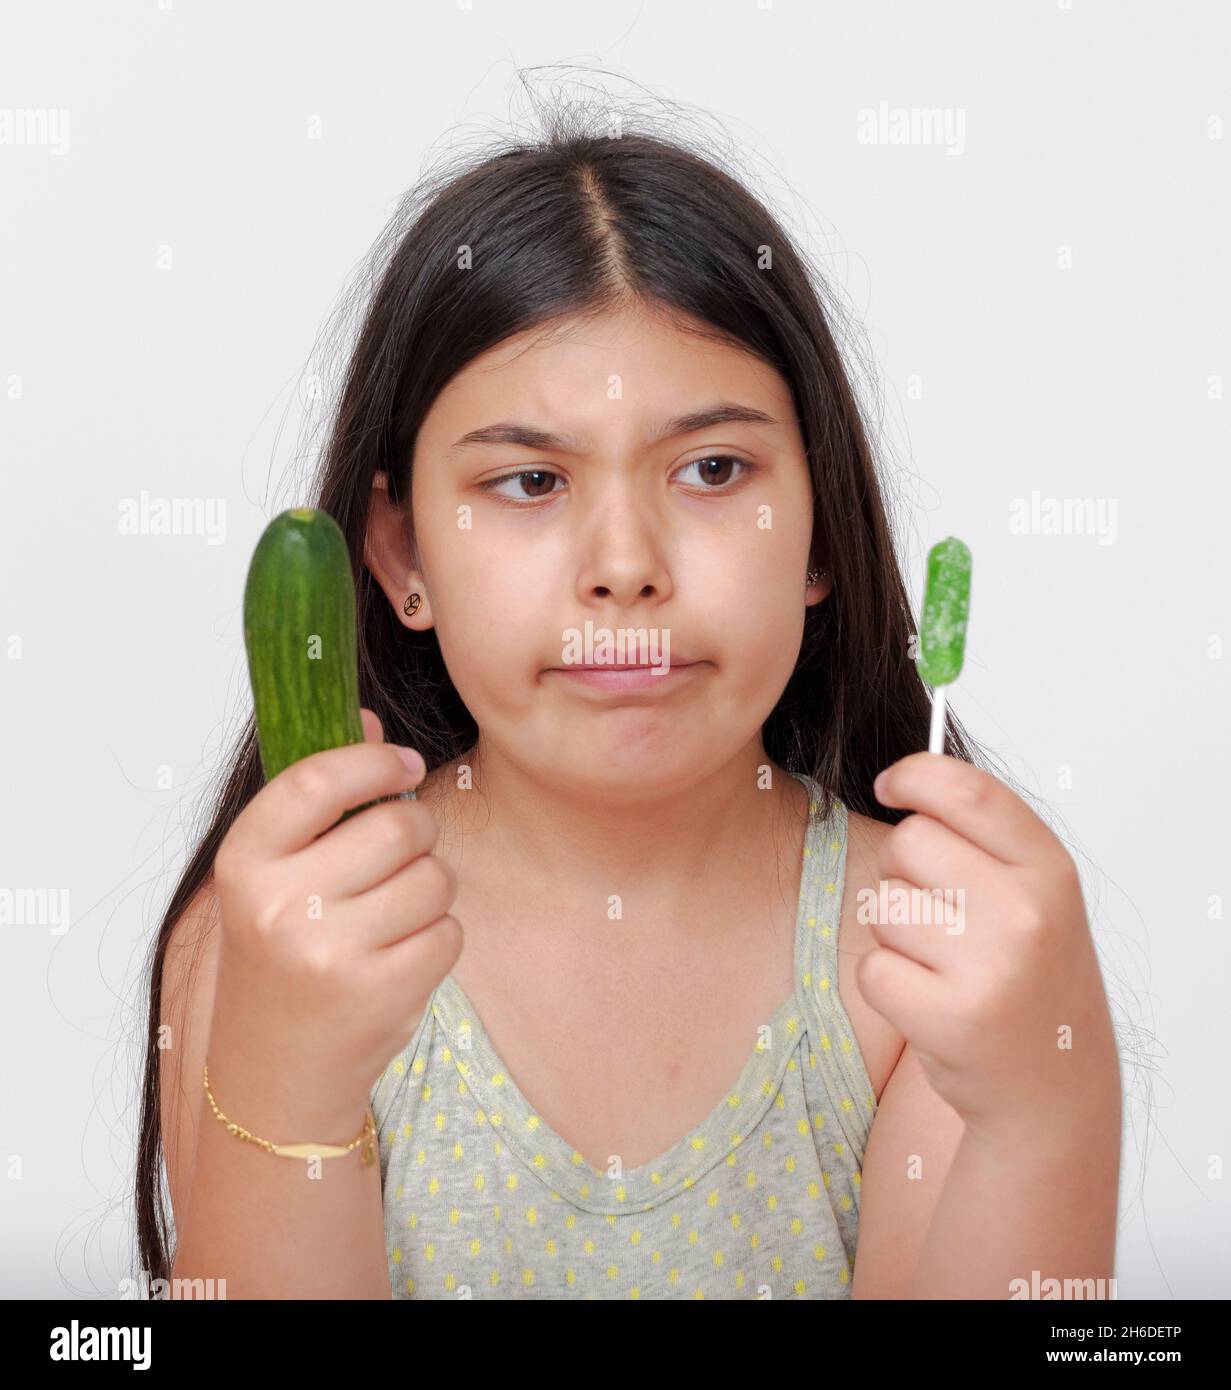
{"x":832,"y":1045}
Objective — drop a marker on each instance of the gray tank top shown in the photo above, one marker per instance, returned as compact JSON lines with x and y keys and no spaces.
{"x":482,"y":1199}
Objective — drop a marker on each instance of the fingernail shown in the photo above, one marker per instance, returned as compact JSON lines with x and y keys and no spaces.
{"x":876,"y":786}
{"x":414,"y":762}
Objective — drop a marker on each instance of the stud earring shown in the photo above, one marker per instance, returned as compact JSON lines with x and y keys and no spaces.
{"x":412,"y":604}
{"x":815,"y":574}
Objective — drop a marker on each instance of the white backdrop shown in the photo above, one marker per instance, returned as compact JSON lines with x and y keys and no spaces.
{"x":1040,"y":272}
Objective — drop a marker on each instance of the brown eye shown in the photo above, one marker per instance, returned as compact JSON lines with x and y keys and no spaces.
{"x":539,"y":477}
{"x":715,"y":471}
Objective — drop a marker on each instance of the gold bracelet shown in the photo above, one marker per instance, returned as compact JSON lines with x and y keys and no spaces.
{"x":368,"y":1134}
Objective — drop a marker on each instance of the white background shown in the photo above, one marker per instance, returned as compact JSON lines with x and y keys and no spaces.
{"x":1086,"y":127}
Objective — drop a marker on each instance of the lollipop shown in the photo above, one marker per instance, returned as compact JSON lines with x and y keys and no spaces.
{"x":942,"y":627}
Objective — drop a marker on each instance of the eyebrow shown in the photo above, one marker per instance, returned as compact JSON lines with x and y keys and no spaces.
{"x":532,"y":437}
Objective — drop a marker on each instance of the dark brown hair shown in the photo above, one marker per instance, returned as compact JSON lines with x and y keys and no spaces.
{"x":576,"y":222}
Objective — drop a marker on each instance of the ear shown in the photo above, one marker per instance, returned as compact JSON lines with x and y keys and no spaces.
{"x":390,"y":560}
{"x":814,"y":593}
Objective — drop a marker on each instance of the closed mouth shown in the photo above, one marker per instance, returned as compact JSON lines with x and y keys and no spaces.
{"x":614,"y":666}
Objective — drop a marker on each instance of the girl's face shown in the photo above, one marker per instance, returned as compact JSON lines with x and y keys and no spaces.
{"x":678,"y":539}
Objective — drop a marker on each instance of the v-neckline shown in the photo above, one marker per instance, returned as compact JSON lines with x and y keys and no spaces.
{"x":556,"y":1162}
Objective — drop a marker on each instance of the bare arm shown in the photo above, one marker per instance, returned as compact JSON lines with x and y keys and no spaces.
{"x":947,"y":1213}
{"x":263,"y":1223}
{"x":914,"y":1137}
{"x":992,"y":1005}
{"x":1038,"y":1206}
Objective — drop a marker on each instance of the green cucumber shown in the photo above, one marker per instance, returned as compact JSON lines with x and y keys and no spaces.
{"x":299,"y":630}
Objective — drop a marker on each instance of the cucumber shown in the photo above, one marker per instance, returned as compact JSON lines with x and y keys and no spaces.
{"x":299,"y":630}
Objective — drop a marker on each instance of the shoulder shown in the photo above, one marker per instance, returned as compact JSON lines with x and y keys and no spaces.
{"x":863,"y":833}
{"x":186,"y":1006}
{"x":880,"y":1043}
{"x":911,"y":1119}
{"x":395,"y":1093}
{"x":190,"y":957}
{"x":864,"y":838}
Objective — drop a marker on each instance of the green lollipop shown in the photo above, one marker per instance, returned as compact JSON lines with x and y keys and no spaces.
{"x":942,"y":626}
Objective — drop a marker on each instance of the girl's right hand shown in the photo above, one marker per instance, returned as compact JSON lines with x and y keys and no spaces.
{"x":331,"y":943}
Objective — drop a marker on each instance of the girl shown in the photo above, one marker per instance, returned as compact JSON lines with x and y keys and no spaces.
{"x":596,"y":423}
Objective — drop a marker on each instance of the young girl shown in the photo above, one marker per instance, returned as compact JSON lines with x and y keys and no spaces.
{"x":625,"y":582}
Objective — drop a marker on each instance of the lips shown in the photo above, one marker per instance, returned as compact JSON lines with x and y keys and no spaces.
{"x":623,"y":680}
{"x":618,"y":666}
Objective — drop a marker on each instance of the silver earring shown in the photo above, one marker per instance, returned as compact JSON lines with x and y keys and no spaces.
{"x":815,"y":574}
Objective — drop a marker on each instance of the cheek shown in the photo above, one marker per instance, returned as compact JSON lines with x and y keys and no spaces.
{"x":758,"y":623}
{"x":762,"y":647}
{"x":489,"y":615}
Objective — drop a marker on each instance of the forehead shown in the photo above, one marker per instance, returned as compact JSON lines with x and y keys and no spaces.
{"x":572,"y":374}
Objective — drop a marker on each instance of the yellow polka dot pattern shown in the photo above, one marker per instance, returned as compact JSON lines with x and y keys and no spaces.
{"x":483,"y":1199}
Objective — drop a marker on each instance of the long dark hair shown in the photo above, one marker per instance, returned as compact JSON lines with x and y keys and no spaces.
{"x":576,"y":222}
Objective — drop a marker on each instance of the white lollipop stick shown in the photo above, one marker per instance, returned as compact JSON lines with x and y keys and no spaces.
{"x":936,"y":739}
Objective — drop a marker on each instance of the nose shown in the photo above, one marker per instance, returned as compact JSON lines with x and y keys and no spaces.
{"x":623,"y":558}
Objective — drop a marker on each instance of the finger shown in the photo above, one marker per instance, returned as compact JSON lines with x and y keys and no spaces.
{"x":307,"y":798}
{"x":366,"y":849}
{"x":970,"y":801}
{"x":911,"y":997}
{"x":910,"y":920}
{"x":417,"y":962}
{"x":373,"y":731}
{"x":924,"y":851}
{"x":402,"y":905}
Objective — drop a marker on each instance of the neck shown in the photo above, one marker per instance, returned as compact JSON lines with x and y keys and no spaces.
{"x":672,"y":849}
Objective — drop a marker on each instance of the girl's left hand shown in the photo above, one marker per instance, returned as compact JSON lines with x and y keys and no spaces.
{"x":1000,"y":994}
